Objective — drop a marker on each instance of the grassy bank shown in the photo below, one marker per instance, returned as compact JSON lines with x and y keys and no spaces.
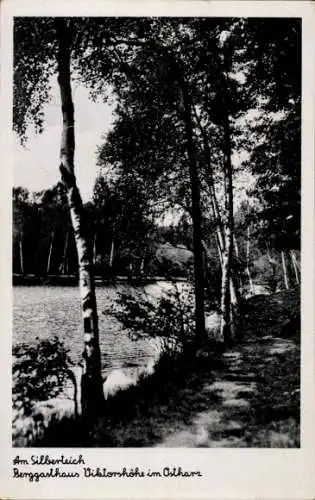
{"x":246,"y":396}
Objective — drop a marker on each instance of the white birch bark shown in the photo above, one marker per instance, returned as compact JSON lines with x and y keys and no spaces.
{"x":91,"y":383}
{"x":296,"y":261}
{"x":227,"y":329}
{"x":63,"y":267}
{"x":220,"y":229}
{"x":111,"y":255}
{"x":295,"y":268}
{"x":284,"y":267}
{"x":250,"y":281}
{"x":21,"y":252}
{"x":50,"y":251}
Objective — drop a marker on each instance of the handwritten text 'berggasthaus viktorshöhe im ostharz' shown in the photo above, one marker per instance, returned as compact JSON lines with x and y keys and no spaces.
{"x":42,"y":467}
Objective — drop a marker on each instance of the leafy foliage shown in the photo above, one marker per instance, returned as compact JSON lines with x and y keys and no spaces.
{"x":39,"y":372}
{"x":34,"y":64}
{"x":169,"y":319}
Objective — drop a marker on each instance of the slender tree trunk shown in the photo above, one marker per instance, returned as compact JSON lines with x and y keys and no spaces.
{"x":234,"y":294}
{"x":285,"y":273}
{"x":196,"y":218}
{"x":219,"y":247}
{"x":220,"y":238}
{"x":227,"y":323}
{"x":21,"y":252}
{"x":250,"y":281}
{"x":237,"y":253}
{"x":91,"y":383}
{"x":225,"y":330}
{"x":130,"y":269}
{"x":111,"y":255}
{"x":50,"y":251}
{"x":213,"y":198}
{"x":233,"y":289}
{"x":236,"y":277}
{"x":94,"y":248}
{"x":294,"y":265}
{"x":141,"y":267}
{"x":220,"y":232}
{"x":296,"y":261}
{"x":227,"y":327}
{"x":64,"y":257}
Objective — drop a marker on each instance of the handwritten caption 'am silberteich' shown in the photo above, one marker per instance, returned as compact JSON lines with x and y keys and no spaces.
{"x":39,"y":467}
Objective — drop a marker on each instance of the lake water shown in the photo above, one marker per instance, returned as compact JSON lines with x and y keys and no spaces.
{"x":46,"y":311}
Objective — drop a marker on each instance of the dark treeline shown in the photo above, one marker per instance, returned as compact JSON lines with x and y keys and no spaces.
{"x":126,"y":243}
{"x":123,"y":242}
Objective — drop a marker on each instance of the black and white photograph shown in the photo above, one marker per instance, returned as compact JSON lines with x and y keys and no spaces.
{"x":156,"y":232}
{"x":158,"y":248}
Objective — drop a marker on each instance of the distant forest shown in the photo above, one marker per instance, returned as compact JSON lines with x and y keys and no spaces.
{"x":129,"y":242}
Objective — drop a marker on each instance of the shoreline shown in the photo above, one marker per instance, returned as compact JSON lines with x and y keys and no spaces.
{"x":72,"y":280}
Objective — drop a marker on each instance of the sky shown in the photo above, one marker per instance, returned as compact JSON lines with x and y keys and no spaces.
{"x":36,"y":165}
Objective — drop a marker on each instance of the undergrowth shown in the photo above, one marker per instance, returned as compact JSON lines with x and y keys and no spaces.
{"x":40,"y":371}
{"x":169,"y":400}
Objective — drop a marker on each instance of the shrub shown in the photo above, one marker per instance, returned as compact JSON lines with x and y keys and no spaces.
{"x":39,"y":372}
{"x":169,"y":319}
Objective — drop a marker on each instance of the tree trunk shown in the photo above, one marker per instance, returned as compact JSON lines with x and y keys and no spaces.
{"x":233,"y":289}
{"x":220,"y":233}
{"x":295,"y":268}
{"x":196,"y":218}
{"x":111,"y":255}
{"x":91,"y":382}
{"x":237,"y":254}
{"x":236,"y":277}
{"x":94,"y":248}
{"x":227,"y":323}
{"x":285,"y":273}
{"x":250,"y":281}
{"x":130,"y":269}
{"x":141,"y":267}
{"x":225,"y":330}
{"x":50,"y":251}
{"x":296,"y":261}
{"x":21,"y":252}
{"x":63,"y":267}
{"x":228,"y":312}
{"x":213,"y":199}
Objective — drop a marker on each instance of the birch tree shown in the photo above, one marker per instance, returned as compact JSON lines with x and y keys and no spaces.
{"x":33,"y":69}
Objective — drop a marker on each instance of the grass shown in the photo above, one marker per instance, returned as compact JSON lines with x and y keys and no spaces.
{"x":141,"y":415}
{"x":248,"y":396}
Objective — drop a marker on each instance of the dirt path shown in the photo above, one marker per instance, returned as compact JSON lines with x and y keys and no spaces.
{"x":247,"y":396}
{"x":247,"y":412}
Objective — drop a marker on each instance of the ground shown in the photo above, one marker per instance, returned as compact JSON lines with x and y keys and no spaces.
{"x":254,"y":400}
{"x":246,"y":396}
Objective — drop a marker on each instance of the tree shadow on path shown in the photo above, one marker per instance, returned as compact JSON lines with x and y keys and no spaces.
{"x":247,"y":396}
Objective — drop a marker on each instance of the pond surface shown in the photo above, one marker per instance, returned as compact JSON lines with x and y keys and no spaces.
{"x":48,"y":311}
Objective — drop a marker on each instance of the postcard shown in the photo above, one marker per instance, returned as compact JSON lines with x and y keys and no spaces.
{"x":157,"y":250}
